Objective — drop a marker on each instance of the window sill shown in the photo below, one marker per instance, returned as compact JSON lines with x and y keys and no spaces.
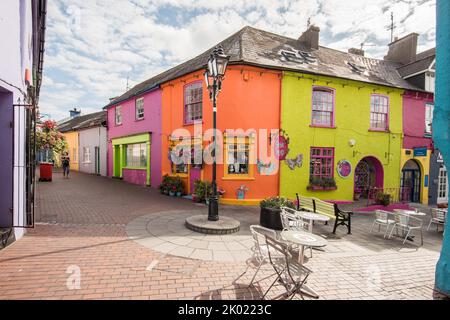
{"x":134,"y":168}
{"x":179,"y":175}
{"x":380,"y":130}
{"x":139,"y":120}
{"x":193,"y":123}
{"x":428,"y":135}
{"x":317,"y":188}
{"x":238,"y":178}
{"x":322,"y":127}
{"x":118,"y":124}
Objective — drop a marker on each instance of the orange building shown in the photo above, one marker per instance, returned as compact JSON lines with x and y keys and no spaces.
{"x":248,"y":102}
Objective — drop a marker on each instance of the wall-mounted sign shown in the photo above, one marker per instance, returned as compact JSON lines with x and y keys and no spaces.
{"x":344,"y":169}
{"x":281,"y":146}
{"x":420,"y":152}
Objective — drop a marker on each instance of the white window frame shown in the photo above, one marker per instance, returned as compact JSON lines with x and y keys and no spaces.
{"x":429,"y":110}
{"x":118,"y":115}
{"x":86,"y":155}
{"x":139,"y":105}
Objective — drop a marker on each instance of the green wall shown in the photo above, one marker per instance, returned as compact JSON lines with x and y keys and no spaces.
{"x":352,"y":121}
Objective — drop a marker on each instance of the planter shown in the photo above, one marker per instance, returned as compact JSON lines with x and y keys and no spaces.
{"x":166,"y":192}
{"x":270,"y":218}
{"x":179,"y":194}
{"x":171,"y":193}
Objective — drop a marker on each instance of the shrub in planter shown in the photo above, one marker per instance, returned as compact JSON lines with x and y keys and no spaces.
{"x":270,"y":212}
{"x":322,"y":184}
{"x":383,"y":199}
{"x":203,"y":190}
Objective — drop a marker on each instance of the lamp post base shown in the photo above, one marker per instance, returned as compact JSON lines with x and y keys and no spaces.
{"x":213,"y":209}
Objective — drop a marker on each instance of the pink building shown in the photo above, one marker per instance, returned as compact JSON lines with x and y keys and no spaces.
{"x":134,"y":137}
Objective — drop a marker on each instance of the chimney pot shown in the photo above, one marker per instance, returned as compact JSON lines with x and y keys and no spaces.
{"x":74,"y":113}
{"x":310,"y":37}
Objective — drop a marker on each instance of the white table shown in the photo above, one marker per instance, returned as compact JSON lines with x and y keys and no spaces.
{"x":411,"y":212}
{"x":312,"y":217}
{"x":304,"y":239}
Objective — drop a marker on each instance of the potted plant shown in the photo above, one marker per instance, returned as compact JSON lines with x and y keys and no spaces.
{"x":320,"y":184}
{"x":240,"y":192}
{"x":173,"y":191}
{"x":270,"y":212}
{"x":383,"y":199}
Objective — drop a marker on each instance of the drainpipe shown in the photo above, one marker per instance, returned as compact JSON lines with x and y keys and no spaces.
{"x":441,"y":126}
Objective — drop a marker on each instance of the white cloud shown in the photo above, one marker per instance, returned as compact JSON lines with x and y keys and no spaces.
{"x":93,"y":46}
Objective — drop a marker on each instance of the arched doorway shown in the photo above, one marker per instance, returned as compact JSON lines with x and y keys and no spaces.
{"x":411,"y":182}
{"x":369,"y":174}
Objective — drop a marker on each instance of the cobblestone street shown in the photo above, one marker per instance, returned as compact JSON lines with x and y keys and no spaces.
{"x":86,"y":224}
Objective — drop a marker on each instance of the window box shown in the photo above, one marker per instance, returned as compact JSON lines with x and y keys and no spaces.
{"x":320,"y":188}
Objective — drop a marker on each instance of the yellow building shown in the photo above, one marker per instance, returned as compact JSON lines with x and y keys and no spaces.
{"x":348,"y":134}
{"x":72,"y":147}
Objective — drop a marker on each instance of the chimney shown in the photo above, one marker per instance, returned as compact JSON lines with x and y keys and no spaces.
{"x":74,"y":113}
{"x":358,"y":52}
{"x":403,"y":50}
{"x":310,"y":37}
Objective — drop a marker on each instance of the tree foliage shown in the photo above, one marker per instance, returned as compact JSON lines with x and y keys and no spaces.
{"x":49,"y":138}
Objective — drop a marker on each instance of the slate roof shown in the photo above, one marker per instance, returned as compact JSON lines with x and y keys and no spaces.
{"x":422,"y":63}
{"x":83,"y":122}
{"x":256,"y":47}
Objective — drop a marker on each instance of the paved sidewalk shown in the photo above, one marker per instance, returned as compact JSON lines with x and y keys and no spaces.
{"x":82,"y":231}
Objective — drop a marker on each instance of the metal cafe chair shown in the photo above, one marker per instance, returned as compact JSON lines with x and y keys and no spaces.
{"x":407,"y":224}
{"x":291,"y":273}
{"x":291,"y":221}
{"x":260,"y":250}
{"x":438,"y":217}
{"x":382,"y":220}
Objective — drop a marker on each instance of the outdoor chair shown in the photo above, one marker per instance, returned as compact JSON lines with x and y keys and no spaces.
{"x":382,"y":220}
{"x":291,"y":221}
{"x":408,"y":224}
{"x":291,"y":274}
{"x":438,"y":217}
{"x":259,"y":249}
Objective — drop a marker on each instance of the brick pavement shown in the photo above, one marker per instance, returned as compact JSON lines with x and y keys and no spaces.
{"x":83,"y":228}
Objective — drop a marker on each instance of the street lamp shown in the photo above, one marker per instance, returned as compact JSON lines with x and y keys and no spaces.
{"x":214,"y":75}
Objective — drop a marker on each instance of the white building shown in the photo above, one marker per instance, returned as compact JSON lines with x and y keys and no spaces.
{"x":22,"y":33}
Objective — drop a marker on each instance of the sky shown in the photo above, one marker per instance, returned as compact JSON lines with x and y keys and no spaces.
{"x":96,"y":49}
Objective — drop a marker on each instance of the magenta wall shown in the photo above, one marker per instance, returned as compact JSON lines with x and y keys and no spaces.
{"x":135,"y":176}
{"x":130,"y":126}
{"x":414,"y":119}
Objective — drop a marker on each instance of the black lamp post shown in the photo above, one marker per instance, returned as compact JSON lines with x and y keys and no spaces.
{"x":214,"y":75}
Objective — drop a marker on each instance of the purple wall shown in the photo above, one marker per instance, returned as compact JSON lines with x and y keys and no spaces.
{"x":130,"y":126}
{"x":414,"y":119}
{"x":6,"y":159}
{"x":138,"y":177}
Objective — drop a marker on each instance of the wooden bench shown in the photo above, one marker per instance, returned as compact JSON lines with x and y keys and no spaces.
{"x":305,"y":203}
{"x":331,"y":210}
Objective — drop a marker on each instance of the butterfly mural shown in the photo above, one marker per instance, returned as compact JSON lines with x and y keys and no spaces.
{"x":297,"y":162}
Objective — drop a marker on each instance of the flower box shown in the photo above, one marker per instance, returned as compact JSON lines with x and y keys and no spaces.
{"x":319,"y":188}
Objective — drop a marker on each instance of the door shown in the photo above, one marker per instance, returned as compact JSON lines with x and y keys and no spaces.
{"x":443,"y":186}
{"x":6,"y":159}
{"x":97,"y":160}
{"x":194,"y":175}
{"x":411,"y":185}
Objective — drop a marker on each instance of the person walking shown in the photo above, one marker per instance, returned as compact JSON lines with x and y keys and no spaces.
{"x":65,"y":160}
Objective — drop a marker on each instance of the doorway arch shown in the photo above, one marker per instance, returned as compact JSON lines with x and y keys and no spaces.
{"x":411,"y":182}
{"x":369,"y":174}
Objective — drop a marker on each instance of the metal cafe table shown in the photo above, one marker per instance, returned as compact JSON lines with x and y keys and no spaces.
{"x":304,"y":239}
{"x":313,"y":217}
{"x":413,"y":213}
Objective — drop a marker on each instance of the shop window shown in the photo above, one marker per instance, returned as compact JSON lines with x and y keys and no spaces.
{"x":322,"y":163}
{"x":136,"y":156}
{"x":238,"y":157}
{"x":379,"y":113}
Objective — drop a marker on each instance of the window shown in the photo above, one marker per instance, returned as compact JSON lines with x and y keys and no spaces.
{"x":323,"y":107}
{"x":322,"y":163}
{"x":136,"y":155}
{"x":86,"y":155}
{"x":238,"y":155}
{"x":429,"y":109}
{"x":118,"y":116}
{"x":379,"y":113}
{"x":193,"y":97}
{"x":140,"y":109}
{"x":74,"y":155}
